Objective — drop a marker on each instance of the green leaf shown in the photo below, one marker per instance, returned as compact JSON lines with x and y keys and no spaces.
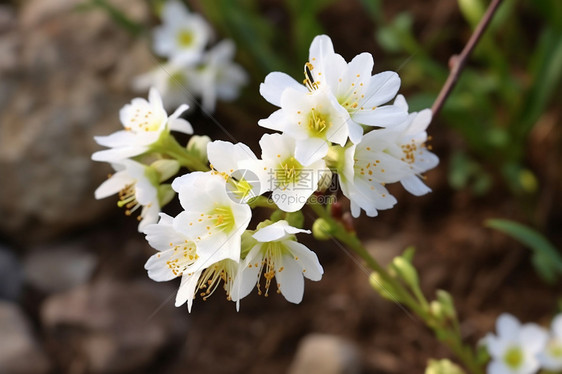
{"x":546,"y":258}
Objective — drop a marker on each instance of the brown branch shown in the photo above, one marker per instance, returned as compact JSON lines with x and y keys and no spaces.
{"x":458,"y":62}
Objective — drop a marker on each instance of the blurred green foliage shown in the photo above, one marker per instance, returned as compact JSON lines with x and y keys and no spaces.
{"x":546,"y":258}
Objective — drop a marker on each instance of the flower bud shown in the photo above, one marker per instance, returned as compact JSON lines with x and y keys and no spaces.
{"x":277,"y":215}
{"x":406,"y":271}
{"x":165,"y":194}
{"x":321,"y":229}
{"x":382,"y":287}
{"x":197,"y":146}
{"x":247,"y":243}
{"x":447,"y":304}
{"x":295,"y":219}
{"x":165,"y":169}
{"x":325,"y":181}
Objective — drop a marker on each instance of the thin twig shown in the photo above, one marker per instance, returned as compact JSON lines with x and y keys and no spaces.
{"x":460,"y":60}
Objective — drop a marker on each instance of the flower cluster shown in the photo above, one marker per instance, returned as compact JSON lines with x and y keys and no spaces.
{"x":524,"y":349}
{"x":190,"y":70}
{"x":342,"y":120}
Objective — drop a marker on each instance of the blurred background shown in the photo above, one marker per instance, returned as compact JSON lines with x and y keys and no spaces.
{"x":74,"y":296}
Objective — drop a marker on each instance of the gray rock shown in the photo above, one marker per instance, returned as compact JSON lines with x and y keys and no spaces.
{"x":11,"y":275}
{"x":19,"y":351}
{"x":112,"y":326}
{"x":58,"y":268}
{"x":325,"y":354}
{"x":63,"y":81}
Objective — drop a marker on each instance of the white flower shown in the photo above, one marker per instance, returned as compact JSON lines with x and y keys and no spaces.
{"x":551,"y":357}
{"x":350,"y":84}
{"x":217,"y":76}
{"x":172,"y":80}
{"x":183,"y":35}
{"x":291,"y":182}
{"x":389,"y":155}
{"x":277,"y":254}
{"x":515,"y":348}
{"x":136,"y":188}
{"x":230,"y":161}
{"x":179,"y":256}
{"x":144,"y":122}
{"x":314,"y":119}
{"x":211,"y":219}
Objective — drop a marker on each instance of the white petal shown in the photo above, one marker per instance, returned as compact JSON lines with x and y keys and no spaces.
{"x":117,"y":139}
{"x":533,"y":338}
{"x":498,"y":367}
{"x":382,"y":88}
{"x":155,"y":100}
{"x":187,"y":289}
{"x":415,"y":186}
{"x":149,"y":215}
{"x":383,"y":116}
{"x":507,"y":327}
{"x":557,"y":326}
{"x":274,"y":85}
{"x":118,"y":154}
{"x":157,"y":268}
{"x":310,"y":150}
{"x":225,"y":156}
{"x":276,"y":121}
{"x":114,"y":184}
{"x":290,"y":280}
{"x":180,"y":125}
{"x":276,"y":144}
{"x":276,"y":231}
{"x":247,"y":278}
{"x":307,"y":260}
{"x":400,"y":102}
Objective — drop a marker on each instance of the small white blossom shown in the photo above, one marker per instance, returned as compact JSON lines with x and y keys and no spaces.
{"x":211,"y":219}
{"x":551,"y":357}
{"x":144,"y":122}
{"x":183,"y":35}
{"x":390,"y":155}
{"x":277,"y":255}
{"x":136,"y":188}
{"x":514,"y":350}
{"x":217,"y":76}
{"x":291,"y":182}
{"x":172,"y":80}
{"x":350,"y":85}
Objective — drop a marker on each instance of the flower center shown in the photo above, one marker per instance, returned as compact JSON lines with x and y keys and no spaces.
{"x":223,"y":218}
{"x":288,"y":172}
{"x":128,"y":200}
{"x":212,"y":276}
{"x":185,"y":38}
{"x":272,"y":254}
{"x":318,"y":123}
{"x":144,"y":120}
{"x":555,"y":349}
{"x":513,"y":357}
{"x":184,"y":255}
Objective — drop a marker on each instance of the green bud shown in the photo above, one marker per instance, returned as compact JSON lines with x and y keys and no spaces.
{"x":382,"y":287}
{"x":406,"y":271}
{"x":436,"y":310}
{"x":165,"y":169}
{"x":442,"y":367}
{"x":325,"y":182}
{"x":472,"y":10}
{"x":446,"y":301}
{"x":321,"y":229}
{"x":165,"y":194}
{"x":335,"y":157}
{"x":277,"y":215}
{"x":197,"y":146}
{"x":295,"y":219}
{"x":263,"y":224}
{"x":247,"y":243}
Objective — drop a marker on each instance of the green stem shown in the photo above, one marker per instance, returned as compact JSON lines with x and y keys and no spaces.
{"x":168,"y":145}
{"x":420,"y":308}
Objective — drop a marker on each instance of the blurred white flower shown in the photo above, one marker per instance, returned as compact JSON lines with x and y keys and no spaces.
{"x":361,"y":95}
{"x":138,"y":189}
{"x":182,"y":35}
{"x":291,"y":182}
{"x":217,"y":76}
{"x":551,"y":357}
{"x":277,"y":255}
{"x":144,"y":122}
{"x":515,"y":348}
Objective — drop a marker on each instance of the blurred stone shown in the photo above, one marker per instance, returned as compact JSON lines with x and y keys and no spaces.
{"x":11,"y":275}
{"x":63,"y":82}
{"x":113,"y":327}
{"x":325,"y":354}
{"x":58,"y":268}
{"x":19,"y":352}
